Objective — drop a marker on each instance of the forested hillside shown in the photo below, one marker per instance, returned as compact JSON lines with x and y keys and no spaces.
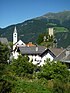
{"x":29,"y":30}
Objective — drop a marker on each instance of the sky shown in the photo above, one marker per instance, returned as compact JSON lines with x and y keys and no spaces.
{"x":17,"y":11}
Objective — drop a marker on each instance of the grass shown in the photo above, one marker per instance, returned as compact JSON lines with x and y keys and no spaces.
{"x":60,"y":29}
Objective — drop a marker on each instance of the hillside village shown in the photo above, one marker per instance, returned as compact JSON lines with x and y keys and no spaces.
{"x":38,"y":54}
{"x":35,"y":46}
{"x":33,"y":68}
{"x":27,"y":66}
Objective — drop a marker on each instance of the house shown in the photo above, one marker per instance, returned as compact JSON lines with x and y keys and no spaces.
{"x":39,"y":54}
{"x":64,"y":56}
{"x":33,"y":53}
{"x":50,"y":53}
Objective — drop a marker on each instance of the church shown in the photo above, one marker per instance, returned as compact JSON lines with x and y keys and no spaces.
{"x":15,"y":40}
{"x":37,"y":54}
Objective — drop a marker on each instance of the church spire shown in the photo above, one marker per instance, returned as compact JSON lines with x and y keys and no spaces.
{"x":15,"y":35}
{"x":15,"y":30}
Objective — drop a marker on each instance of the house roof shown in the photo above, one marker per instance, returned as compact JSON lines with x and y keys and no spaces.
{"x":32,"y":50}
{"x":48,"y":51}
{"x":66,"y":59}
{"x":41,"y":50}
{"x":53,"y":51}
{"x":4,"y":41}
{"x":64,"y":56}
{"x":56,"y":51}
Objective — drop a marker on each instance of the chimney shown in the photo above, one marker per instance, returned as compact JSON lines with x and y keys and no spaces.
{"x":36,"y":48}
{"x":67,"y":52}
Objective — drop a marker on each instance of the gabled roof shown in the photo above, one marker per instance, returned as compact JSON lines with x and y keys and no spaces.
{"x":32,"y":50}
{"x":64,"y":56}
{"x":56,"y":51}
{"x":48,"y":51}
{"x":52,"y":51}
{"x":66,"y":59}
{"x":20,"y":42}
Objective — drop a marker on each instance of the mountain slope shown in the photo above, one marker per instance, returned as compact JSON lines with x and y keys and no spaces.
{"x":60,"y":18}
{"x":29,"y":30}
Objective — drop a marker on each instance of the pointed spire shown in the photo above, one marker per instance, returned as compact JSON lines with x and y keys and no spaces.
{"x":15,"y":30}
{"x":15,"y":35}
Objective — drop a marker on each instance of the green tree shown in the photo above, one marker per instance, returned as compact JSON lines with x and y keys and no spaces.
{"x":5,"y":86}
{"x":54,"y":70}
{"x":40,"y":38}
{"x":11,"y":44}
{"x":4,"y":53}
{"x":22,"y":67}
{"x":57,"y":76}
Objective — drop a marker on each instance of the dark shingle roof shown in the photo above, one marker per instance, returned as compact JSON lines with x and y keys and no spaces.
{"x":63,"y":56}
{"x":66,"y":59}
{"x":56,"y":51}
{"x":41,"y":50}
{"x":32,"y":50}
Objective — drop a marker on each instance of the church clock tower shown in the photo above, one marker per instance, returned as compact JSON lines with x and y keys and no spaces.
{"x":15,"y":35}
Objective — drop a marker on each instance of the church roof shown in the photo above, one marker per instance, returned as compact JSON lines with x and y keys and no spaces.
{"x":20,"y":42}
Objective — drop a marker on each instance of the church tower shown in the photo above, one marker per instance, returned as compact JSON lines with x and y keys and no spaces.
{"x":15,"y":35}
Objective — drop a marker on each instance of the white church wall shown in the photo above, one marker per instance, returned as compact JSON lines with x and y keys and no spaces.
{"x":15,"y":55}
{"x":19,"y":43}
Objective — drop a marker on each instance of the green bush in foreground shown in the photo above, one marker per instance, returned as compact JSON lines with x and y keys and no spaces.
{"x":57,"y":76}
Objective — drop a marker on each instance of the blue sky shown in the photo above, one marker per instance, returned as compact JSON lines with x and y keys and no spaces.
{"x":17,"y":11}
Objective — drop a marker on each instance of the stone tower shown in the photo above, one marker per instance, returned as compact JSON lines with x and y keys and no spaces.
{"x":51,"y":32}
